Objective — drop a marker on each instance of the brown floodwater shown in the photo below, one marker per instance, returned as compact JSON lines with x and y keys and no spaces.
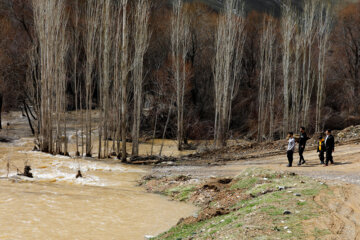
{"x":105,"y":204}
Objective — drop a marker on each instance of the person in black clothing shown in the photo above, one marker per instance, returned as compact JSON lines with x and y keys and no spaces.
{"x":330,"y":147}
{"x":302,"y":145}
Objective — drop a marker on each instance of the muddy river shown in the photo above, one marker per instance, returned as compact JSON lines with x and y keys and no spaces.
{"x":105,"y":204}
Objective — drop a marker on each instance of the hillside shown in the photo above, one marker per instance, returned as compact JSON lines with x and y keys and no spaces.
{"x":271,"y":6}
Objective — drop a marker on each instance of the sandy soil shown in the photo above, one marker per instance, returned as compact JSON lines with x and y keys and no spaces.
{"x":344,"y":209}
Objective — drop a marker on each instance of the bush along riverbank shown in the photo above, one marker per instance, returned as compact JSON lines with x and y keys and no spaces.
{"x":257,"y":204}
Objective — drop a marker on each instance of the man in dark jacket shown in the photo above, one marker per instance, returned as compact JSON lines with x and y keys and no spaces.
{"x":302,"y":145}
{"x":330,"y":147}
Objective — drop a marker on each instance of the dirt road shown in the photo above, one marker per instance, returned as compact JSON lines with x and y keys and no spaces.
{"x":346,"y":168}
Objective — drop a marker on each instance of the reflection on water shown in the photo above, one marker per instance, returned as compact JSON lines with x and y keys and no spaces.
{"x":105,"y":204}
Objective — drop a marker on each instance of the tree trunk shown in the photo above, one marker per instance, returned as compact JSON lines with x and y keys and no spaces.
{"x":154,"y":133}
{"x":27,"y":115}
{"x":124,"y":80}
{"x":288,"y":28}
{"x":165,"y":128}
{"x":180,"y":48}
{"x":75,"y":74}
{"x":141,"y":40}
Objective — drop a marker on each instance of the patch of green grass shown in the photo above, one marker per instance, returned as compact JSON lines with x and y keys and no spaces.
{"x":245,"y":183}
{"x":205,"y":229}
{"x":239,"y":225}
{"x":181,"y":193}
{"x":301,"y":203}
{"x":311,"y":191}
{"x":182,"y":231}
{"x":212,"y":232}
{"x":220,"y":223}
{"x":272,"y":210}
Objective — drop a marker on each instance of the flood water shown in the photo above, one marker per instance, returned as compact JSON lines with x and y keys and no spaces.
{"x":105,"y":204}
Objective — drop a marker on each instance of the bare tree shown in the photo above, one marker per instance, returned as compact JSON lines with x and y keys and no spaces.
{"x":104,"y":80}
{"x":309,"y":29}
{"x":267,"y":80}
{"x":141,"y":42}
{"x":296,"y":93}
{"x":50,"y":23}
{"x":91,"y":41}
{"x":230,"y":32}
{"x":288,"y":23}
{"x":323,"y":36}
{"x":179,"y":49}
{"x":117,"y":75}
{"x":299,"y":37}
{"x":63,"y":84}
{"x":60,"y":93}
{"x":124,"y":69}
{"x":76,"y":81}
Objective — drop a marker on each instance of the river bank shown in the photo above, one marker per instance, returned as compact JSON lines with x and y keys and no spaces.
{"x":333,"y":198}
{"x":261,"y":204}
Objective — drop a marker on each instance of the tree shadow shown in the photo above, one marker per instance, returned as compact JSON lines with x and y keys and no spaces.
{"x":342,"y":163}
{"x":309,"y":165}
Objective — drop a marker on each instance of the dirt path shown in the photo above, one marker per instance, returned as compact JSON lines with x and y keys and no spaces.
{"x":346,"y":168}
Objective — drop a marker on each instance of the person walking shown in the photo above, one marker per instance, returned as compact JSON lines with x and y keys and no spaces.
{"x":290,"y":149}
{"x":321,"y":149}
{"x":302,"y":145}
{"x":329,"y":147}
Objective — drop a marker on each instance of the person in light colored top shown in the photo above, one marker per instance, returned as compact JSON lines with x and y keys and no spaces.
{"x":291,"y":148}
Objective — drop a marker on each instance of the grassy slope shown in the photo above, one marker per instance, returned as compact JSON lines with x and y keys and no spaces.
{"x":259,"y":216}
